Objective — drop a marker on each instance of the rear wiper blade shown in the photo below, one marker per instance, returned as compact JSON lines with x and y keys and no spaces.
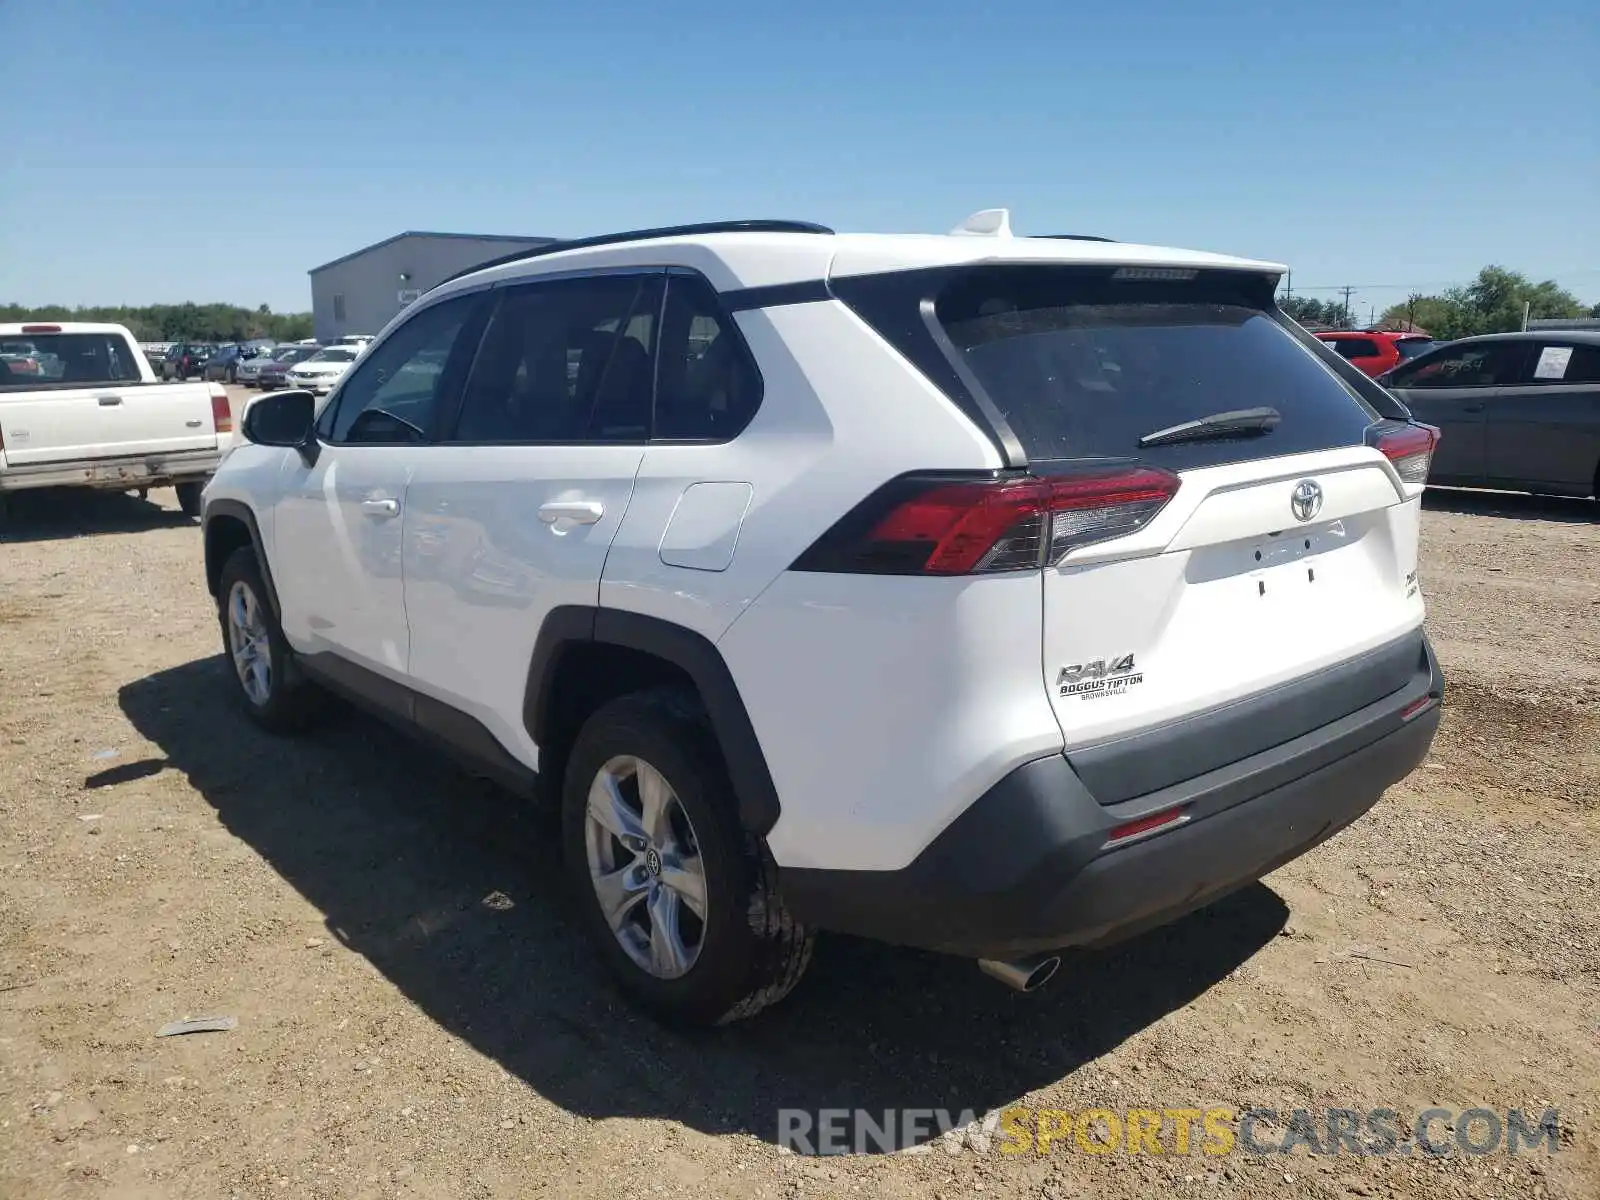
{"x":1217,"y":425}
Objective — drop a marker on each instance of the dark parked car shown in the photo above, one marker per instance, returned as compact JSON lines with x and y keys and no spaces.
{"x":185,"y":359}
{"x":224,"y":365}
{"x":272,"y":372}
{"x":1519,"y":411}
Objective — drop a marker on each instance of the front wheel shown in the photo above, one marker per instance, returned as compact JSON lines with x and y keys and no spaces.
{"x":267,"y":679}
{"x":681,"y":901}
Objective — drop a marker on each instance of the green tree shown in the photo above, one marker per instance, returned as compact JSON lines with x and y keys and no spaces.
{"x":1491,"y":303}
{"x":214,"y":322}
{"x":1325,"y":313}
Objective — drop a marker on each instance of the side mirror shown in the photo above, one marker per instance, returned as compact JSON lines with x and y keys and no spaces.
{"x":283,"y":419}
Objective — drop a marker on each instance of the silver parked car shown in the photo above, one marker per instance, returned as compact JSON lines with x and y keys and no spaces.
{"x":250,"y":369}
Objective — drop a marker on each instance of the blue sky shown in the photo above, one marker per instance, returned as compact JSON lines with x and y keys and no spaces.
{"x":170,"y":150}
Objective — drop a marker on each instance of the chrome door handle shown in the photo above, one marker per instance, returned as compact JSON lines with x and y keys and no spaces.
{"x":574,"y":512}
{"x":109,"y":401}
{"x":381,"y":508}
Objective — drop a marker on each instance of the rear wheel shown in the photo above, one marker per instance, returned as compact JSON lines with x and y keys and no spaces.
{"x":267,"y":679}
{"x":681,"y":900}
{"x":189,"y":497}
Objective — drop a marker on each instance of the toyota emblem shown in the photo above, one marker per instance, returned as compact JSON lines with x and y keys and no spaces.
{"x":1306,"y":499}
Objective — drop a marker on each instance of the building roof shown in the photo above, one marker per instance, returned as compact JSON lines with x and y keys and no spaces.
{"x":1581,"y":337}
{"x":423,"y":233}
{"x":1565,"y":323}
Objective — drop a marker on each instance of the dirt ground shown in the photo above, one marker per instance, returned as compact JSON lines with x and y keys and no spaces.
{"x":418,"y":1016}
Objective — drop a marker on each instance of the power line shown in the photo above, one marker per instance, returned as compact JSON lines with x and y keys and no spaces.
{"x":1438,"y":283}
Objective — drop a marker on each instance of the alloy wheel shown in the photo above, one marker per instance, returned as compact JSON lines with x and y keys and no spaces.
{"x":645,"y":866}
{"x":249,"y":644}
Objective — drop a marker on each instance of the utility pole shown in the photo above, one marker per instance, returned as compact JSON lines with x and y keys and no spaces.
{"x":1347,"y":289}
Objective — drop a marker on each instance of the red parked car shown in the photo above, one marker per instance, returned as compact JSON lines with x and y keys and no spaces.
{"x":1374,"y":351}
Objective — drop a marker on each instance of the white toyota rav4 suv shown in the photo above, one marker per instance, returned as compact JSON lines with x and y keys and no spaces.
{"x":977,"y":592}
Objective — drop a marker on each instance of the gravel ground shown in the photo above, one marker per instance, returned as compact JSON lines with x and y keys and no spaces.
{"x":417,"y":1016}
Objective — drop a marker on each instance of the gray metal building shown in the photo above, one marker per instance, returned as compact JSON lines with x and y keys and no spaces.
{"x":362,"y":291}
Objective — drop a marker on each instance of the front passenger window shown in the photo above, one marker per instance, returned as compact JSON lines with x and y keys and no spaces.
{"x":397,"y":395}
{"x":1481,"y":364}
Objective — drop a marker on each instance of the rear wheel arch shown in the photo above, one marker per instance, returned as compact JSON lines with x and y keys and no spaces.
{"x":586,"y":657}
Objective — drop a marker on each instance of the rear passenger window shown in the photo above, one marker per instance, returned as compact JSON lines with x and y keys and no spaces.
{"x":1356,"y":347}
{"x":707,"y":387}
{"x":1567,"y":364}
{"x":565,"y":361}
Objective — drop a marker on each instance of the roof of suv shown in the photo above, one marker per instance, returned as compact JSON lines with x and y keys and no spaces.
{"x":737,"y":255}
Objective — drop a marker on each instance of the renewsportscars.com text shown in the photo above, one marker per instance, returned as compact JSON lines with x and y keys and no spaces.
{"x":1377,"y":1132}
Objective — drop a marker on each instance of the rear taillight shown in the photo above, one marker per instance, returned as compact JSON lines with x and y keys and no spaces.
{"x":221,"y":413}
{"x":946,"y":525}
{"x":1408,"y":447}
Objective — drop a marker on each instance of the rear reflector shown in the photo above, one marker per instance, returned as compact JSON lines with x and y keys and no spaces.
{"x":1129,"y":829}
{"x":41,"y":329}
{"x":1408,"y":447}
{"x":221,"y":413}
{"x":1417,"y":707}
{"x":949,"y":525}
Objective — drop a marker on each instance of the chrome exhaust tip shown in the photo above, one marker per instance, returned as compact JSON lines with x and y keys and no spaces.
{"x":1023,"y":974}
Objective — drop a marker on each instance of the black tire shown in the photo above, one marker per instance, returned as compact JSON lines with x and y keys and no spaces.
{"x":751,"y":951}
{"x":189,"y":497}
{"x":291,"y":701}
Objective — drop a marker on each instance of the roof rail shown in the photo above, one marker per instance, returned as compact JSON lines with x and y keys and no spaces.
{"x":1073,"y":237}
{"x":641,"y":235}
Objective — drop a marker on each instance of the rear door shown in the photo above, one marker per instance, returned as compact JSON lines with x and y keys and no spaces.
{"x":1286,"y":551}
{"x":513,"y":512}
{"x":1452,"y":389}
{"x":87,"y":400}
{"x":1545,"y":428}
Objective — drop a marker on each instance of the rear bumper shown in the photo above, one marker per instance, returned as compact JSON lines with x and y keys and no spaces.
{"x":1027,"y":867}
{"x":117,"y":474}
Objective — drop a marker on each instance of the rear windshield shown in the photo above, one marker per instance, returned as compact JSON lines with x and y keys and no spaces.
{"x":1414,"y":347}
{"x":68,"y":358}
{"x":1082,"y":363}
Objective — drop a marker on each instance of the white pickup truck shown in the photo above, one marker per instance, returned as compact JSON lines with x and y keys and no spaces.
{"x":80,"y":407}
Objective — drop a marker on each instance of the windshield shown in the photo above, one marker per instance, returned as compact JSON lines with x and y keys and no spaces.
{"x":68,"y":358}
{"x":334,"y":354}
{"x":1414,"y":347}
